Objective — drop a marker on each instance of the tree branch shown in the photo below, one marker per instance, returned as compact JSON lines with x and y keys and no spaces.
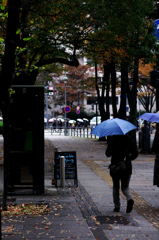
{"x":74,"y":63}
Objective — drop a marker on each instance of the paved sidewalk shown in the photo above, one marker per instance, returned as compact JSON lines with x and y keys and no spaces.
{"x":86,"y":212}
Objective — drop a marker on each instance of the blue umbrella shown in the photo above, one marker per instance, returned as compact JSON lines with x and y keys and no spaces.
{"x":150,"y":117}
{"x":115,"y":126}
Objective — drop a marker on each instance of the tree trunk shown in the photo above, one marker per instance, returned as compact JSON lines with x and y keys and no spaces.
{"x":124,"y":80}
{"x":101,"y":98}
{"x":113,"y":82}
{"x":107,"y":84}
{"x":133,"y":101}
{"x":7,"y":73}
{"x":104,"y":112}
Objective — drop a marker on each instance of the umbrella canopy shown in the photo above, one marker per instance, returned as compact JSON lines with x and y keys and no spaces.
{"x":150,"y":117}
{"x":85,"y":119}
{"x":114,"y":126}
{"x":71,"y":121}
{"x":61,"y":119}
{"x":52,"y":119}
{"x":79,"y":120}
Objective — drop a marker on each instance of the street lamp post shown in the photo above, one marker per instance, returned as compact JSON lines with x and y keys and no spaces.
{"x":65,"y":79}
{"x":78,"y":97}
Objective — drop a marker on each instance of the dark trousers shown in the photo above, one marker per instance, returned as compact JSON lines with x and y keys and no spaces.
{"x":124,"y":181}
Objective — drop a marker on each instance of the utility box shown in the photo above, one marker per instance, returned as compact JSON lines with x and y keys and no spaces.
{"x":26,"y":166}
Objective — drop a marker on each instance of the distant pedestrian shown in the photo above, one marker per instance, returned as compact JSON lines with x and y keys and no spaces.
{"x":85,"y":124}
{"x":155,"y":149}
{"x":54,"y":125}
{"x":121,"y":149}
{"x":60,"y":125}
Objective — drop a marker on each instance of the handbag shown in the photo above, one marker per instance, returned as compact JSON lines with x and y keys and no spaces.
{"x":117,"y":169}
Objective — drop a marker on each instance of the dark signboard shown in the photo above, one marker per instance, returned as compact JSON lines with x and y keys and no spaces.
{"x":70,"y":165}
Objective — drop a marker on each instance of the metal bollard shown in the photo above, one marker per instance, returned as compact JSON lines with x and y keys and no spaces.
{"x":62,"y":171}
{"x":56,"y":149}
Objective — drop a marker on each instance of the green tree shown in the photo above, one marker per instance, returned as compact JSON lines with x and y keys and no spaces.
{"x":79,"y":83}
{"x":126,"y":37}
{"x":35,"y":34}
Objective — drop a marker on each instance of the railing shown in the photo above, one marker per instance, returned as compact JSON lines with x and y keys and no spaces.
{"x":85,"y":133}
{"x":75,"y":132}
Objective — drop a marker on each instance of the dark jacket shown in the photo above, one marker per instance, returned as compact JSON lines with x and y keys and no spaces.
{"x":155,"y":148}
{"x":155,"y":144}
{"x":121,"y":148}
{"x":156,"y":171}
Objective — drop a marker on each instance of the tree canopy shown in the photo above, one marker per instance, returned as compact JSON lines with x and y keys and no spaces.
{"x":38,"y":33}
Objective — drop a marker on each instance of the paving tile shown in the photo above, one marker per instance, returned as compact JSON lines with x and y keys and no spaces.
{"x":74,"y":210}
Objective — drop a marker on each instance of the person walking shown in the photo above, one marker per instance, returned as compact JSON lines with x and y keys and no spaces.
{"x":121,"y":149}
{"x":60,"y":126}
{"x":54,"y":126}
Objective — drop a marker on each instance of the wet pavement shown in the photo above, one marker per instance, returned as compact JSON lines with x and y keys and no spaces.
{"x":86,"y":211}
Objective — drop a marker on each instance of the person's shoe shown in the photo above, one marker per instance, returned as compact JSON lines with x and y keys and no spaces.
{"x":130,"y":204}
{"x":116,"y":209}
